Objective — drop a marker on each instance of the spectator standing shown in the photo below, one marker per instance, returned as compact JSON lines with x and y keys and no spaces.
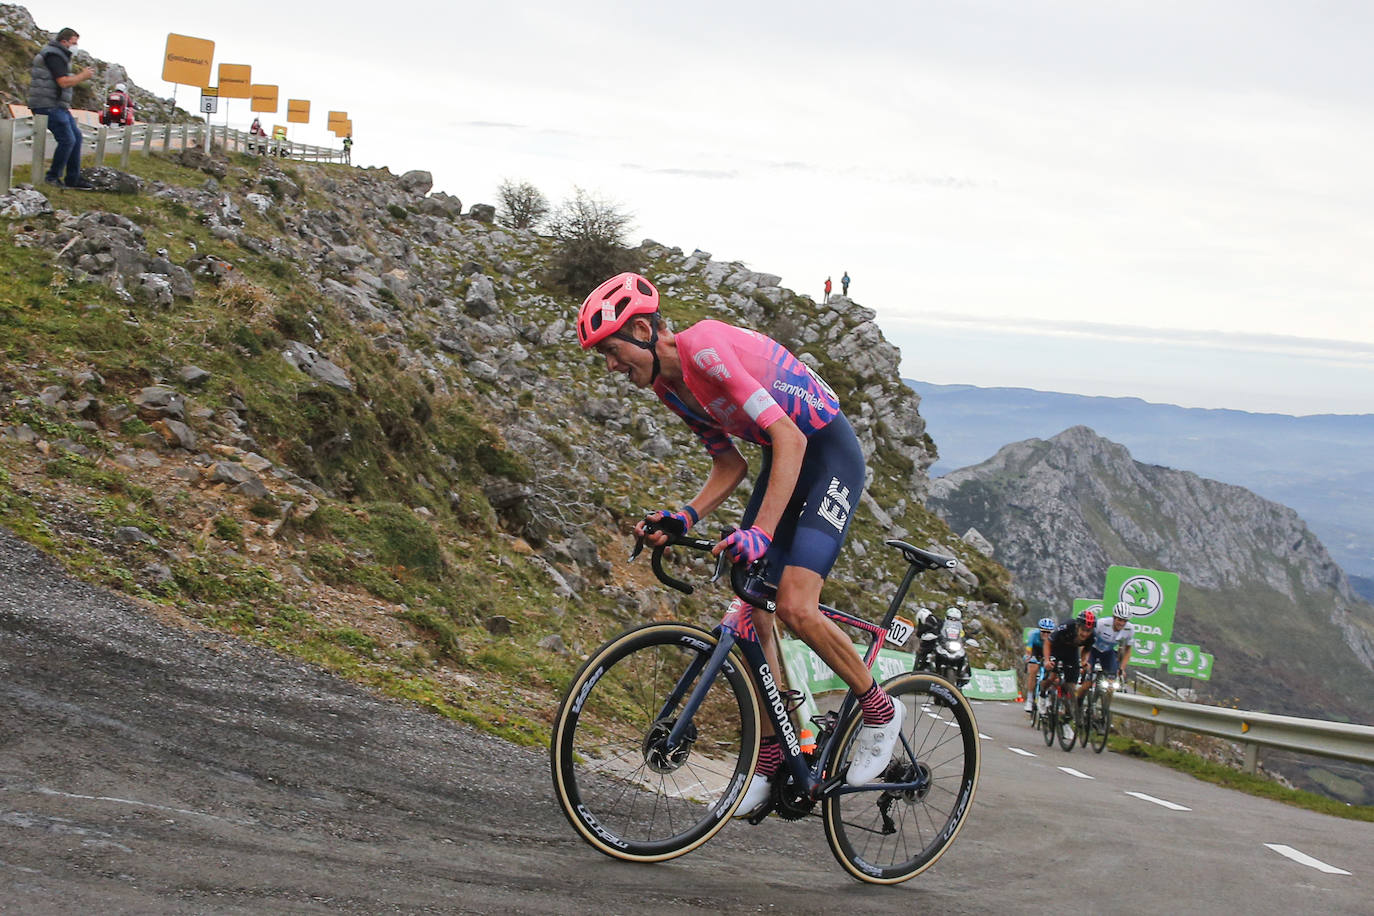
{"x":828,"y":288}
{"x":254,"y":133}
{"x":844,"y":285}
{"x":50,"y":93}
{"x":348,"y":149}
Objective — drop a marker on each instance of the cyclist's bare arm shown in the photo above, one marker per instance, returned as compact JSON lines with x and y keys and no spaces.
{"x":727,"y":470}
{"x":789,"y":448}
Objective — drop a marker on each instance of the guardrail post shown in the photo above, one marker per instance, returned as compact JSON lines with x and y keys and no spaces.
{"x":6,"y":155}
{"x":1159,"y":735}
{"x":40,"y":139}
{"x":1251,"y":757}
{"x":100,"y":134}
{"x":125,"y":142}
{"x":147,"y":139}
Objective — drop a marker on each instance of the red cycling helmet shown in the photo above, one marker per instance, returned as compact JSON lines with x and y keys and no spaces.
{"x":611,"y":305}
{"x":1089,"y":618}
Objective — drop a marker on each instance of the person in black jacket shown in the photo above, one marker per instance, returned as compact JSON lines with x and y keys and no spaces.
{"x":50,"y":93}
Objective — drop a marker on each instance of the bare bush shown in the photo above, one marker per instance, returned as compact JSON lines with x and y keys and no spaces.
{"x":591,"y":235}
{"x":523,"y":206}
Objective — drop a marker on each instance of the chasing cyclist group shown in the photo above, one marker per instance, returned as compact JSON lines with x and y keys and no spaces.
{"x":1065,"y":652}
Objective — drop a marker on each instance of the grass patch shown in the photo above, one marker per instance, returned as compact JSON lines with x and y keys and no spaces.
{"x":1220,"y":775}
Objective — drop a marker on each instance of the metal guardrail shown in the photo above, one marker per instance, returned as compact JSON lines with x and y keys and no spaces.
{"x":1252,"y":729}
{"x":1158,"y":686}
{"x":26,"y":139}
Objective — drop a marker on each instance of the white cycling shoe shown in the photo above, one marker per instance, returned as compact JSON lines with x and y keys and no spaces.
{"x":759,"y":789}
{"x":873,"y":748}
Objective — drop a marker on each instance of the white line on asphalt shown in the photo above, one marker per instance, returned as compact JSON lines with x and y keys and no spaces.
{"x":1305,"y":859}
{"x":1072,"y":772}
{"x":1017,"y":750}
{"x":1159,"y":801}
{"x":985,"y":737}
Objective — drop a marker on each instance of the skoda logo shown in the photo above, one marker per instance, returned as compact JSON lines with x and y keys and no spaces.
{"x":1143,"y":594}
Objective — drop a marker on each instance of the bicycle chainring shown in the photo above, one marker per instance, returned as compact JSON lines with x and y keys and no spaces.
{"x":788,"y":803}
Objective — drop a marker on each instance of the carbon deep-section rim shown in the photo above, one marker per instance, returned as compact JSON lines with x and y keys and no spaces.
{"x":885,"y":837}
{"x":622,"y":790}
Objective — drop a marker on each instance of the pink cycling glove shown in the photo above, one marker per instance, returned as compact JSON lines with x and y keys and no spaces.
{"x":748,"y":545}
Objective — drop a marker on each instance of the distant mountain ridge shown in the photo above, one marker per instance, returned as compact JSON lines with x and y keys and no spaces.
{"x":1322,"y":466}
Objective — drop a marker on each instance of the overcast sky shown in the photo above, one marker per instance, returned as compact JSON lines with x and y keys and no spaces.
{"x":1159,"y":199}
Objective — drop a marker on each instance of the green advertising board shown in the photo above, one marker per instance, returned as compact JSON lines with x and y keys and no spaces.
{"x":1087,"y":604}
{"x":1151,"y":594}
{"x":807,"y":673}
{"x":1189,"y":661}
{"x":1146,"y":652}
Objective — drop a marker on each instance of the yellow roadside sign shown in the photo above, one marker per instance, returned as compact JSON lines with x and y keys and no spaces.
{"x":235,"y":81}
{"x":298,"y":111}
{"x":264,"y":98}
{"x":187,"y":60}
{"x":335,"y":117}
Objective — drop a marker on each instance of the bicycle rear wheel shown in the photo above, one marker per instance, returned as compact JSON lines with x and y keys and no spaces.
{"x":622,"y":789}
{"x":1086,"y":723}
{"x":1049,"y":720}
{"x":1102,"y":722}
{"x":889,"y":836}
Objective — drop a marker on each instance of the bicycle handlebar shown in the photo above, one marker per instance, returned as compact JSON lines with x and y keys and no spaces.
{"x":739,"y":576}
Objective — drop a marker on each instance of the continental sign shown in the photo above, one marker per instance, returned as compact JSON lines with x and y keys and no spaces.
{"x":187,"y":61}
{"x":297,"y":111}
{"x":336,"y":117}
{"x":235,"y":81}
{"x":264,"y":98}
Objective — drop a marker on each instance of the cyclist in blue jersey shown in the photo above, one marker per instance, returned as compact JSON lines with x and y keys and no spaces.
{"x":729,"y":383}
{"x":1035,"y":649}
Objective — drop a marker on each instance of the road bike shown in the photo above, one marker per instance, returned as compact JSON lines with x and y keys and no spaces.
{"x":658,"y":736}
{"x":1062,"y":720}
{"x":1097,"y":708}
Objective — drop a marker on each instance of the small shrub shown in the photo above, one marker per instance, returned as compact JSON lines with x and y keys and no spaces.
{"x":397,"y":211}
{"x":228,"y":529}
{"x":523,"y":205}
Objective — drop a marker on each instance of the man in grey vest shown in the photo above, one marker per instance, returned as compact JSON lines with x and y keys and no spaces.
{"x":50,"y":93}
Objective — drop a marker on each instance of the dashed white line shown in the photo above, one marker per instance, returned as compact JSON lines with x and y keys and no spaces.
{"x":1304,"y":859}
{"x":1072,"y":772}
{"x":1017,"y":750}
{"x":1159,"y":801}
{"x":985,"y":737}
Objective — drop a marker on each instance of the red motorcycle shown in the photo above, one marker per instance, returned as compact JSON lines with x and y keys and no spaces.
{"x":119,"y":107}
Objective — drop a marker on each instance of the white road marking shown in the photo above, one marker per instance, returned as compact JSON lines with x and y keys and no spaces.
{"x":1017,"y":750}
{"x":985,"y":737}
{"x":1304,"y":859}
{"x":1072,"y":772}
{"x":1159,"y":801}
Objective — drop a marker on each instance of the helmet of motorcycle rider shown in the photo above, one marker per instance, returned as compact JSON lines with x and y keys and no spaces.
{"x":1046,"y":623}
{"x":954,"y":614}
{"x":120,"y":87}
{"x":1122,"y":611}
{"x":922,"y":614}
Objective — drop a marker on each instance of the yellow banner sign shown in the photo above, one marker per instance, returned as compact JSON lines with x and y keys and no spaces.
{"x":342,"y":128}
{"x":235,"y":81}
{"x":298,"y":111}
{"x":336,"y":117}
{"x":187,"y":60}
{"x":264,"y":98}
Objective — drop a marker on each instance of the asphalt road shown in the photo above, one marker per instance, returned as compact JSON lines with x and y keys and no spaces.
{"x":146,"y":768}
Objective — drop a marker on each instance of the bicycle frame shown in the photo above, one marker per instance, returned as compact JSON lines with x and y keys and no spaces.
{"x":737,"y":628}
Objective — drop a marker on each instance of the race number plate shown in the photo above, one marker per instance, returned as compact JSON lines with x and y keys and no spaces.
{"x":900,"y":631}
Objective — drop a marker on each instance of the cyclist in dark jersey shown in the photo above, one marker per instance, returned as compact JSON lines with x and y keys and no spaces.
{"x":1067,"y":647}
{"x":731,"y":383}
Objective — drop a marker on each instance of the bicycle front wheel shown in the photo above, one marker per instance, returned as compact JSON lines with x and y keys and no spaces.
{"x":1049,"y":721}
{"x":624,"y":790}
{"x":1102,"y":721}
{"x":889,"y":836}
{"x":1066,"y":722}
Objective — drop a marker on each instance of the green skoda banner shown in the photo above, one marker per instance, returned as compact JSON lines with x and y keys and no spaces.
{"x":1151,"y":594}
{"x":807,"y":673}
{"x":1087,"y":604}
{"x":1179,"y":658}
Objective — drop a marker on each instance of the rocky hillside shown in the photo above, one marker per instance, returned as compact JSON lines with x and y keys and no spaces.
{"x":319,"y":407}
{"x":1259,"y":590}
{"x":20,"y":40}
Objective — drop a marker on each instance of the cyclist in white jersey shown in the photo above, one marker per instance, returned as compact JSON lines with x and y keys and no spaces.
{"x":1112,"y":640}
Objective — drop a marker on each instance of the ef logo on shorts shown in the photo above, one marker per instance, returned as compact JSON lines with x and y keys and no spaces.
{"x":835,"y":508}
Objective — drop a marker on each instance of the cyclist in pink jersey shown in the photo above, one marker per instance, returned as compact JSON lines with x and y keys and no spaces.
{"x":730,"y":383}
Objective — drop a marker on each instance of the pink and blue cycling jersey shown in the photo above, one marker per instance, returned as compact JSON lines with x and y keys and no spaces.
{"x":745,"y":381}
